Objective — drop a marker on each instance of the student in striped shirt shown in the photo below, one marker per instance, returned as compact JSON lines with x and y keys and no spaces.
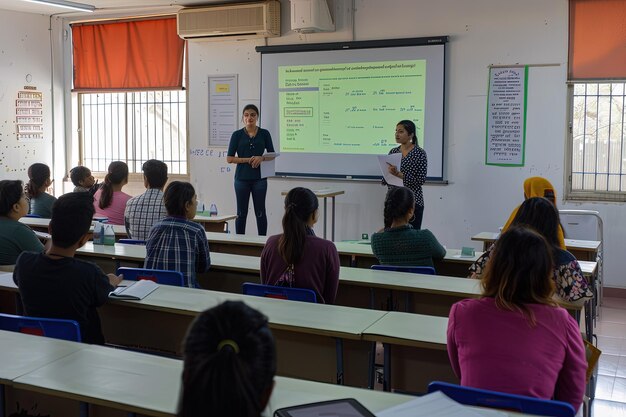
{"x":176,"y":243}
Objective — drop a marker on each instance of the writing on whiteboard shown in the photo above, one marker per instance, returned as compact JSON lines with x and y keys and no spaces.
{"x":208,"y":153}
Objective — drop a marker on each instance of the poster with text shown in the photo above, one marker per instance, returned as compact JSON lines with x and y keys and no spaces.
{"x":506,"y":116}
{"x":223,"y":114}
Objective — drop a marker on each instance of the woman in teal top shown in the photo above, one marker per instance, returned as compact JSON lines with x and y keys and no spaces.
{"x":399,"y":243}
{"x":249,"y":144}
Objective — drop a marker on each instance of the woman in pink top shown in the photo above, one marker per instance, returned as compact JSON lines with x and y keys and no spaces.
{"x":515,"y":339}
{"x":109,"y":200}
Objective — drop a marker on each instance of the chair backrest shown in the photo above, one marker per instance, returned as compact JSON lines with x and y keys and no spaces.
{"x":283,"y":293}
{"x":157,"y":275}
{"x":581,"y":224}
{"x":132,"y":241}
{"x":55,"y":328}
{"x":34,"y":216}
{"x":494,"y":399}
{"x":429,"y":270}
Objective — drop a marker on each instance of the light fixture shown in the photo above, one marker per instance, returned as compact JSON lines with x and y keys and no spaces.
{"x":66,"y":4}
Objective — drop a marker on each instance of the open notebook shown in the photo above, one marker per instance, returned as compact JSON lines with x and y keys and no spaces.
{"x":136,"y":291}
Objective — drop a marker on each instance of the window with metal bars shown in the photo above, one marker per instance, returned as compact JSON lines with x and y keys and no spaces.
{"x":597,"y":149}
{"x":133,"y":127}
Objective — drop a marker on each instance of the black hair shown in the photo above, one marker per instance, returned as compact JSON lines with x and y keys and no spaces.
{"x":540,"y":214}
{"x":229,"y":363}
{"x":398,"y":202}
{"x":116,"y":174}
{"x":72,"y":214}
{"x":38,"y":174}
{"x":409,"y":126}
{"x":10,"y":194}
{"x":177,"y":194}
{"x":78,"y":174}
{"x":251,"y":107}
{"x":300,"y":203}
{"x":155,"y":172}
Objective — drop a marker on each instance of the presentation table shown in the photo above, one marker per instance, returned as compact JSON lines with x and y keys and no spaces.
{"x":325,"y":194}
{"x":215,"y":223}
{"x":583,"y":250}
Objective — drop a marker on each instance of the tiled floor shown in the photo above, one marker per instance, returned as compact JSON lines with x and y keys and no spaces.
{"x":611,"y":388}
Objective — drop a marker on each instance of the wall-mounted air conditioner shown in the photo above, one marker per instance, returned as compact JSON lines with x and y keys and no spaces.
{"x":240,"y":20}
{"x":310,"y":16}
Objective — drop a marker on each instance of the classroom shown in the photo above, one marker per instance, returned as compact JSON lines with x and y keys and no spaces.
{"x":36,"y":51}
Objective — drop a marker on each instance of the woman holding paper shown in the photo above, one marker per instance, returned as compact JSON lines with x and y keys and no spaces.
{"x":246,"y":149}
{"x":413,"y":166}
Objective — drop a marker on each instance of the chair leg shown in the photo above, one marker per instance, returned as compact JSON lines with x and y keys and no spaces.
{"x":2,"y":402}
{"x":387,"y":368}
{"x":371,"y":370}
{"x":339,"y":350}
{"x":84,"y":409}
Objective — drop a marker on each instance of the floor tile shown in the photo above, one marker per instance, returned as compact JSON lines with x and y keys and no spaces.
{"x":619,"y":390}
{"x":611,"y":329}
{"x":609,"y":364}
{"x":610,"y":345}
{"x":604,"y":387}
{"x":614,"y":302}
{"x":612,"y":315}
{"x":604,"y":408}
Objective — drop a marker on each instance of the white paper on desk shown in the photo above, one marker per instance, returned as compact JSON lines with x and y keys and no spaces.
{"x":268,"y":168}
{"x":436,"y":404}
{"x":393,"y":159}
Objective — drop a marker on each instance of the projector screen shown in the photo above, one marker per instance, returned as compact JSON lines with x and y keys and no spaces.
{"x":332,"y":108}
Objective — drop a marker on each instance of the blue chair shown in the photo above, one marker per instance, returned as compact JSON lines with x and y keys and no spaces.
{"x":132,"y":241}
{"x":156,"y":275}
{"x":34,"y":216}
{"x":493,"y":399}
{"x":282,"y":293}
{"x":428,"y":270}
{"x":55,"y":328}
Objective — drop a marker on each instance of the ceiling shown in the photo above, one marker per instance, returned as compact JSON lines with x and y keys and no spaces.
{"x":105,"y":6}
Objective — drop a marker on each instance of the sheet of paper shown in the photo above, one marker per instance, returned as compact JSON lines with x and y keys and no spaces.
{"x":437,"y":404}
{"x":268,"y":168}
{"x":393,"y":159}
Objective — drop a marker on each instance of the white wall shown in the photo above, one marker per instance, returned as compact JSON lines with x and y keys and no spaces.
{"x":24,"y":50}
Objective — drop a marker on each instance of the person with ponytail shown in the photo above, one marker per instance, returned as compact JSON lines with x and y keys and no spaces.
{"x":413,"y":166}
{"x":109,"y":200}
{"x":283,"y":262}
{"x":229,"y":363}
{"x":399,"y":243}
{"x":38,"y":181}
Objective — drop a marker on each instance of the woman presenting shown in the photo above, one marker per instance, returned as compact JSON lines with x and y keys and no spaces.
{"x":412,"y":168}
{"x":249,"y":144}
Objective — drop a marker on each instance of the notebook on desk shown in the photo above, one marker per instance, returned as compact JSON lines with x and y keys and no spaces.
{"x":136,"y":291}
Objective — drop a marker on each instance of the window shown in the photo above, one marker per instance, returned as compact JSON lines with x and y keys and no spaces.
{"x":133,"y":127}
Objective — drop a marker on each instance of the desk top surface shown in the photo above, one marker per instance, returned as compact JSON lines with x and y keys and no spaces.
{"x":322,"y":192}
{"x":41,"y":223}
{"x":214,"y":219}
{"x":23,"y":353}
{"x":320,"y":319}
{"x":404,"y":328}
{"x":570,"y":244}
{"x":110,"y":377}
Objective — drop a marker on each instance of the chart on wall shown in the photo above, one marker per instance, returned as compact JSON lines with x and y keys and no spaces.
{"x":29,"y":114}
{"x":333,"y":108}
{"x":223,"y":96}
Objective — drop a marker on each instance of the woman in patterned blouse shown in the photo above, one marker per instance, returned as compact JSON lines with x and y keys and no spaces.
{"x":412,"y":168}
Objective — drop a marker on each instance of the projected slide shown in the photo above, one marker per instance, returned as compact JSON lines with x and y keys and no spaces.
{"x":349,"y":108}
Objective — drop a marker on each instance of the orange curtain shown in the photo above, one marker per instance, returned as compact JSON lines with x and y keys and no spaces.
{"x":597,"y":39}
{"x":131,"y":55}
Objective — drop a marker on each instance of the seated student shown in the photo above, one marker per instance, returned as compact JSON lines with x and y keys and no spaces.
{"x":54,"y":284}
{"x":515,"y":339}
{"x":399,"y":243}
{"x":83,"y":180}
{"x":538,"y":187}
{"x":15,"y":237}
{"x":283,"y":260}
{"x":540,"y":214}
{"x":146,"y":209}
{"x":229,"y":363}
{"x":176,"y":243}
{"x":109,"y":200}
{"x":39,"y":180}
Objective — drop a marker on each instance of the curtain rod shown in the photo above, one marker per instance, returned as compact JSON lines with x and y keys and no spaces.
{"x":123,"y":19}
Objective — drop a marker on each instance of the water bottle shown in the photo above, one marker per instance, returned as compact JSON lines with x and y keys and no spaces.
{"x":109,"y":235}
{"x":98,"y":233}
{"x":213,"y":210}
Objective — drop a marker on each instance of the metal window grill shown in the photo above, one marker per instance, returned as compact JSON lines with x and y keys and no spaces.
{"x":598,"y":152}
{"x":133,"y":127}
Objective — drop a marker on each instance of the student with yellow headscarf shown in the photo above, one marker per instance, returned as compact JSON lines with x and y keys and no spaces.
{"x":538,"y":187}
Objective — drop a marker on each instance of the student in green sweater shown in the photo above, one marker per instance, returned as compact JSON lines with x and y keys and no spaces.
{"x":398,"y":243}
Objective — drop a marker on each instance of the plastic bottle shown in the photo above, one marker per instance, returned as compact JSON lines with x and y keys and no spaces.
{"x":213,"y":210}
{"x":98,"y":233}
{"x":109,"y":235}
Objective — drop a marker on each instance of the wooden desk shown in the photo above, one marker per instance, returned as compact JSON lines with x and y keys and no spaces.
{"x":41,"y":225}
{"x":328,"y":336}
{"x":325,"y":194}
{"x":583,"y":250}
{"x":415,"y":350}
{"x":215,"y":223}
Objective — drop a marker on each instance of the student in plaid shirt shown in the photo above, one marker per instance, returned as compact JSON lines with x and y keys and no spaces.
{"x":146,"y":209}
{"x":176,"y":243}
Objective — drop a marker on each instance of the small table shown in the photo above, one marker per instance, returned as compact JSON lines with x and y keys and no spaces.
{"x":214,"y":223}
{"x":326,"y":193}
